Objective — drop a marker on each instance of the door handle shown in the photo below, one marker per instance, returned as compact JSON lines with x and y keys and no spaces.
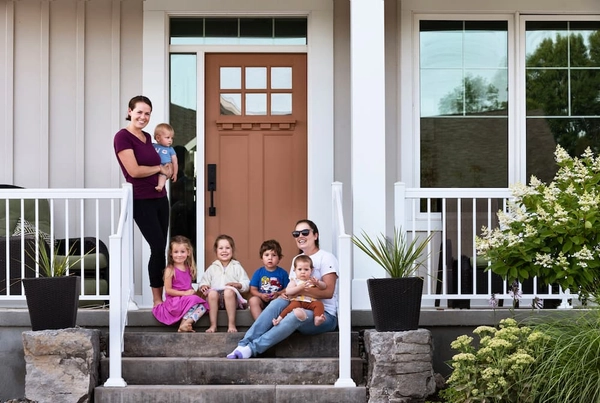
{"x":211,"y":180}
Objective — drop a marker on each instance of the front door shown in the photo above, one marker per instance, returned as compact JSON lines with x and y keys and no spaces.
{"x":255,"y":151}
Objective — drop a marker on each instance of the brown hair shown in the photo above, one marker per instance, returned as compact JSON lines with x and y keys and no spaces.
{"x":136,"y":100}
{"x":273,"y":245}
{"x":228,"y":239}
{"x":190,"y":262}
{"x":305,"y":259}
{"x":162,"y":128}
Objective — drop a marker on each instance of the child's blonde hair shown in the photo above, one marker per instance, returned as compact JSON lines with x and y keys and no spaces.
{"x":228,"y":239}
{"x":163,"y":128}
{"x":189,"y":262}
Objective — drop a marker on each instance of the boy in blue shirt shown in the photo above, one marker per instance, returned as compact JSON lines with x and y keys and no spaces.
{"x":269,"y":281}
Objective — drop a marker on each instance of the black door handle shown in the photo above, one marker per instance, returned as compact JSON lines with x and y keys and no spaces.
{"x":211,"y":180}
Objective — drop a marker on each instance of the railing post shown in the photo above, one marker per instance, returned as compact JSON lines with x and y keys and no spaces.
{"x":345,"y":311}
{"x":115,"y":377}
{"x":400,"y":205}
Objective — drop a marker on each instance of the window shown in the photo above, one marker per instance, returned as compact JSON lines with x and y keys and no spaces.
{"x":468,"y":134}
{"x":464,"y":103}
{"x":238,"y":31}
{"x":562,"y":91}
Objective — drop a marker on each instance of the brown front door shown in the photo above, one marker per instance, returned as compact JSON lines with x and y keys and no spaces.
{"x":256,"y":144}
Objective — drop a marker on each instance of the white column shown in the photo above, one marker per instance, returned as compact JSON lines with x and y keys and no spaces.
{"x":368,"y":135}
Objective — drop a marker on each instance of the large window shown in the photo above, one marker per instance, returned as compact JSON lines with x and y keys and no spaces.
{"x":562,"y":91}
{"x":464,"y":101}
{"x":468,"y":135}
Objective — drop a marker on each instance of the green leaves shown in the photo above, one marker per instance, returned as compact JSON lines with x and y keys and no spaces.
{"x":551,"y":231}
{"x":397,"y":256}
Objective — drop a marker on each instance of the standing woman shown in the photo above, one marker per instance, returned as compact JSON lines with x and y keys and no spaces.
{"x":141,"y":166}
{"x":262,"y":334}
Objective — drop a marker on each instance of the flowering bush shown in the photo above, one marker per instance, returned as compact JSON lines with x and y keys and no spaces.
{"x":551,"y":231}
{"x":499,"y":369}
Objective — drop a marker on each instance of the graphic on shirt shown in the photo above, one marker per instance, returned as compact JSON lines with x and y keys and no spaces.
{"x":269,"y":284}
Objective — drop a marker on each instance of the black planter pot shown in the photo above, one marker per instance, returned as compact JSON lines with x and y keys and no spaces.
{"x":395,"y":303}
{"x":52,"y":301}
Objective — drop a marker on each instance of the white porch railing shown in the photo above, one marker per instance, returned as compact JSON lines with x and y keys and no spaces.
{"x":342,"y":249}
{"x":78,"y":217}
{"x":456,"y":275}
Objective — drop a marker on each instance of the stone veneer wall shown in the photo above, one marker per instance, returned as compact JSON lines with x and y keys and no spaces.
{"x":400,"y":366}
{"x":62,"y":365}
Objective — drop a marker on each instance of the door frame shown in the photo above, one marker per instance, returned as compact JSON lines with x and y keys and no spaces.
{"x":320,"y":95}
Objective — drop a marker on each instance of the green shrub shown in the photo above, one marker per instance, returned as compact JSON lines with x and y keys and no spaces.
{"x":497,"y":369}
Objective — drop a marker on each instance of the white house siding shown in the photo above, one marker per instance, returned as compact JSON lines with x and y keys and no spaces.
{"x":67,"y":71}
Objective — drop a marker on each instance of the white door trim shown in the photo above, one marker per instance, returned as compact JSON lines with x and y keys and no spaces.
{"x":319,"y":91}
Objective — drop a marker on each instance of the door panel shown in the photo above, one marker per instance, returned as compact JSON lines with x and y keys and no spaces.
{"x":256,"y":135}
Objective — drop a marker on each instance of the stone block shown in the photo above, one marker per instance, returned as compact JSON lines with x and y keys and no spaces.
{"x":400,"y":366}
{"x":61,"y":365}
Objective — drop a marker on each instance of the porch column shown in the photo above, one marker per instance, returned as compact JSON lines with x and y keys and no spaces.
{"x":367,"y":60}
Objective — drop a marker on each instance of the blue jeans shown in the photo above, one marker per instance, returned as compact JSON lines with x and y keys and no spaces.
{"x":262,"y":334}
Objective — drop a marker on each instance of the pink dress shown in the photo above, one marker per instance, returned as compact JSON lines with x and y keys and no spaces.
{"x":174,"y":307}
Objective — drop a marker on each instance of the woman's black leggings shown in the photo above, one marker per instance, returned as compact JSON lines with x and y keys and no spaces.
{"x":152,"y":218}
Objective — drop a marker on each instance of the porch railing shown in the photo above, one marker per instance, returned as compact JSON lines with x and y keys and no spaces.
{"x":77,"y":217}
{"x":457,"y":277}
{"x":342,"y":248}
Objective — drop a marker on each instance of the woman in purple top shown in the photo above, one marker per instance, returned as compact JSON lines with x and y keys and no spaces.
{"x":141,"y":166}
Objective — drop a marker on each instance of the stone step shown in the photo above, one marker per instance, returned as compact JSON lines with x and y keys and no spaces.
{"x":200,"y":344}
{"x":222,"y":371}
{"x":231,"y":393}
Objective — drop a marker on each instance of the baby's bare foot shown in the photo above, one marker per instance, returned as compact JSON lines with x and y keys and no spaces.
{"x":211,"y":329}
{"x":276,"y":321}
{"x":232,"y":329}
{"x":319,"y":320}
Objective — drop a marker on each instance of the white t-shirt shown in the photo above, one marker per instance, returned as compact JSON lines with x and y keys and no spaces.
{"x":324,"y":263}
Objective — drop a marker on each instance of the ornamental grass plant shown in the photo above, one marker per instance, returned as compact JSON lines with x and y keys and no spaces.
{"x":568,"y":367}
{"x":551,"y":231}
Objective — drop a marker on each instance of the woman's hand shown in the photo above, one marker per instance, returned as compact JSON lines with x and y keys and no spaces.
{"x":166,"y":170}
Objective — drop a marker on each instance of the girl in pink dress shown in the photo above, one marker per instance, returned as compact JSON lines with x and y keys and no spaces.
{"x":181,"y":300}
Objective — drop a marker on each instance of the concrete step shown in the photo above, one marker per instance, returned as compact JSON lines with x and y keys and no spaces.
{"x":200,"y":344}
{"x":221,"y":371}
{"x":231,"y":393}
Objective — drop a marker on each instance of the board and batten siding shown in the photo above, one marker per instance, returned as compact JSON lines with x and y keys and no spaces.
{"x":67,"y":71}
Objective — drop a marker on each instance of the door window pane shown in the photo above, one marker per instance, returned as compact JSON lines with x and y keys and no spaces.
{"x":464,"y":103}
{"x":231,"y":78}
{"x":281,"y":78}
{"x":256,"y":78}
{"x":281,"y":104}
{"x":256,"y":104}
{"x":231,"y":104}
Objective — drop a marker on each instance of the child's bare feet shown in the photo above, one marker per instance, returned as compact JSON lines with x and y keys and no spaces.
{"x":319,"y":320}
{"x":211,"y":329}
{"x":186,"y":327}
{"x":276,"y":321}
{"x":232,"y":329}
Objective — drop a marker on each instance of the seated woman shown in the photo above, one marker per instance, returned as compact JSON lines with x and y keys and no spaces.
{"x":262,"y":334}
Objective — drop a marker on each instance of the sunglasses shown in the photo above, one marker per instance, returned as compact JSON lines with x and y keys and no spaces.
{"x":304,"y":232}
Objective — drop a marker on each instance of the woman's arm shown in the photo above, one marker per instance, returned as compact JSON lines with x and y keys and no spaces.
{"x":127,"y":158}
